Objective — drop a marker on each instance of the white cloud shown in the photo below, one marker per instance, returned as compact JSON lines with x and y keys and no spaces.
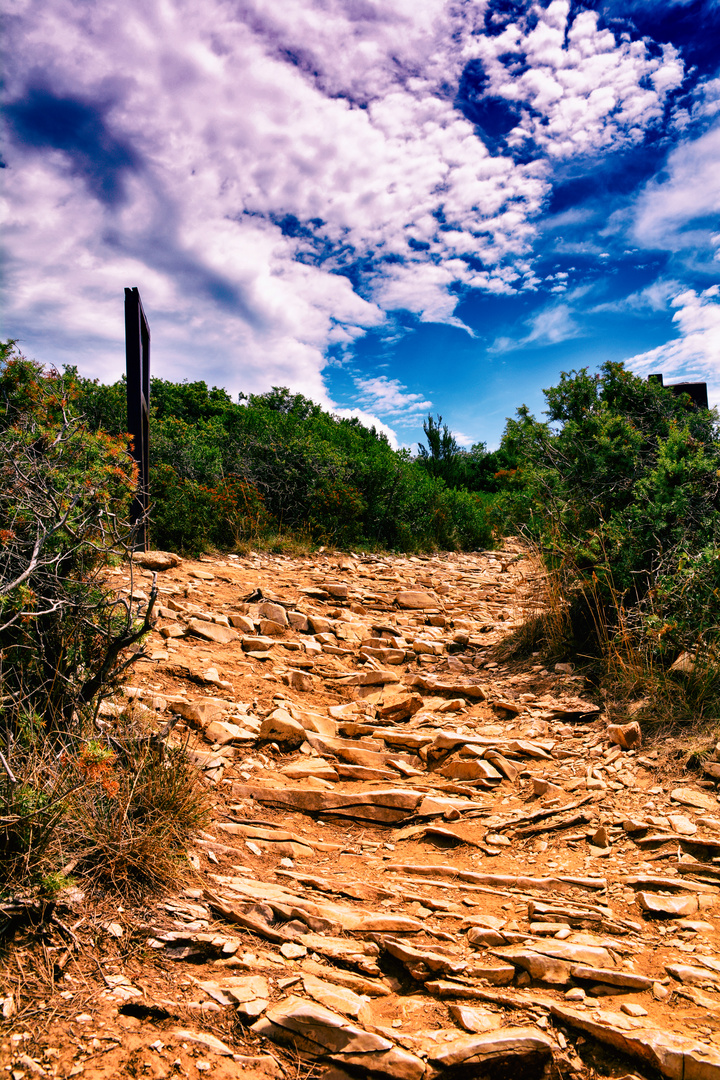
{"x":549,"y":326}
{"x":278,"y":146}
{"x":235,"y":138}
{"x":464,"y":441}
{"x":579,"y":89}
{"x":696,"y":351}
{"x":650,"y":300}
{"x":390,"y":397}
{"x":552,"y":325}
{"x":674,"y":212}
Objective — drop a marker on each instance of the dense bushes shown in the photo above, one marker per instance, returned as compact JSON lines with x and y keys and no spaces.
{"x":64,"y":494}
{"x":620,"y":488}
{"x":223,"y":473}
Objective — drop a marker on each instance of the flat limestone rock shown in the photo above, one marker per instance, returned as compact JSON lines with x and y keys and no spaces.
{"x":415,"y":599}
{"x":317,"y":1029}
{"x":701,"y":800}
{"x":474,"y":1019}
{"x":273,"y":612}
{"x":269,"y":838}
{"x":576,"y":952}
{"x":484,"y":936}
{"x":623,"y":979}
{"x":301,"y":770}
{"x":356,"y":752}
{"x":250,"y":994}
{"x":444,"y":688}
{"x":682,"y":824}
{"x":384,"y":805}
{"x":156,"y":560}
{"x":494,"y":974}
{"x":547,"y":969}
{"x":205,"y":1040}
{"x":672,"y":906}
{"x":388,"y":924}
{"x":432,"y":806}
{"x":460,"y":769}
{"x":280,"y":727}
{"x":221,"y":732}
{"x":252,"y":644}
{"x":674,"y":1056}
{"x":491,"y":1049}
{"x":338,"y":590}
{"x":369,"y":678}
{"x":696,"y":976}
{"x":395,"y":1063}
{"x":384,"y":656}
{"x":401,"y":708}
{"x":418,"y":959}
{"x":448,"y":991}
{"x":668,"y":884}
{"x":500,"y":881}
{"x":340,"y":977}
{"x":198,"y":713}
{"x":335,"y":997}
{"x":363,"y":772}
{"x":210,"y":631}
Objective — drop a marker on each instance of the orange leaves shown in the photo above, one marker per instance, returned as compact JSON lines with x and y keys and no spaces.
{"x":97,"y":766}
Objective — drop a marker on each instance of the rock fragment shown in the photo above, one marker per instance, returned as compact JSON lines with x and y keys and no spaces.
{"x":416,"y":600}
{"x":626,"y":736}
{"x":210,"y":631}
{"x":281,"y":728}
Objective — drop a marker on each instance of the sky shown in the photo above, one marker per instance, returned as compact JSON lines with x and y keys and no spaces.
{"x":394,"y":207}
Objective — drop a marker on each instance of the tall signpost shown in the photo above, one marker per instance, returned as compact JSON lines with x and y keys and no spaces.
{"x":137,"y":356}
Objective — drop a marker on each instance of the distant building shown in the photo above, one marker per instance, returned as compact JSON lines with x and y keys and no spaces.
{"x":696,"y":390}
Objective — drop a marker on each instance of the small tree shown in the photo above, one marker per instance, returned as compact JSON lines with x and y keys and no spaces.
{"x":440,"y":456}
{"x":64,"y":494}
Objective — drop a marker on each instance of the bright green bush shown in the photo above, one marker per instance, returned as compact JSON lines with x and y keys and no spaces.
{"x":225,"y":473}
{"x":64,"y":496}
{"x":620,"y":489}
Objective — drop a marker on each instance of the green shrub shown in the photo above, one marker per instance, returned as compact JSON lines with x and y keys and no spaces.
{"x":224,"y":474}
{"x":620,"y":490}
{"x":64,"y":496}
{"x":128,"y":823}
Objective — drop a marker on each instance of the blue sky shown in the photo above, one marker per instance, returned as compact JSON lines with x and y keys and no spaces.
{"x":392,"y":206}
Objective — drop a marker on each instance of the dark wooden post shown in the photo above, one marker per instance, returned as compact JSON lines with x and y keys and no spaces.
{"x":137,"y":356}
{"x":697,"y":391}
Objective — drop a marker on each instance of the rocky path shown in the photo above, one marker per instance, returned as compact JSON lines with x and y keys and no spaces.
{"x":422,"y":862}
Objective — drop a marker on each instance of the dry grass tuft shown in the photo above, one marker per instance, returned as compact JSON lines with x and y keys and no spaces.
{"x":128,"y":829}
{"x":118,"y":810}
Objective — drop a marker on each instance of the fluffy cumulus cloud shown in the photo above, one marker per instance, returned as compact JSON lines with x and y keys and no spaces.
{"x":550,"y":79}
{"x":279,"y":178}
{"x":390,"y":398}
{"x":695,"y":352}
{"x":680,"y":211}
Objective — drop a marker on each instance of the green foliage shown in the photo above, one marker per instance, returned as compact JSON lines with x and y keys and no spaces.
{"x":224,"y":474}
{"x":440,"y":455}
{"x":64,"y":493}
{"x":129,"y":821}
{"x":621,"y":490}
{"x":475,"y":469}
